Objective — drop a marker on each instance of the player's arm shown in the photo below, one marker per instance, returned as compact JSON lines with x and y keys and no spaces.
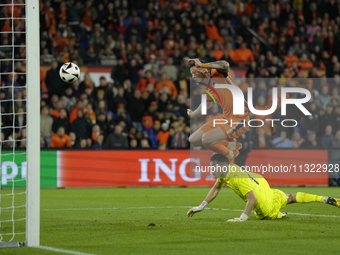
{"x":198,"y":111}
{"x":210,"y":197}
{"x":251,"y":202}
{"x":221,"y":65}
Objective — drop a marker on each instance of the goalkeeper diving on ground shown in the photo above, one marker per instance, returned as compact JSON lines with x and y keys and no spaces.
{"x":255,"y":191}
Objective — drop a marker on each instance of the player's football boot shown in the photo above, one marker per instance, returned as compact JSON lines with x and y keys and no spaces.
{"x":238,"y":146}
{"x":232,"y":160}
{"x":331,"y":201}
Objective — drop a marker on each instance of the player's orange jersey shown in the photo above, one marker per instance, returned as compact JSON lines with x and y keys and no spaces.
{"x":226,"y":96}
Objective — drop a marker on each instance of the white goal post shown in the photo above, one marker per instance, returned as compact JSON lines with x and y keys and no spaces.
{"x":17,"y":206}
{"x":33,"y":123}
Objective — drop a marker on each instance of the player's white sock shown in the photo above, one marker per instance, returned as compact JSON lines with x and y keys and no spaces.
{"x":232,"y":146}
{"x":230,"y":155}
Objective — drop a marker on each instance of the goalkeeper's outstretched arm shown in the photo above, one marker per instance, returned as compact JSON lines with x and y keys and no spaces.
{"x":251,"y":202}
{"x":210,"y":197}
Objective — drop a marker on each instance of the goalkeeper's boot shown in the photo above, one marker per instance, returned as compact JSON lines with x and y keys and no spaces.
{"x":238,"y":146}
{"x":232,"y":160}
{"x":331,"y":201}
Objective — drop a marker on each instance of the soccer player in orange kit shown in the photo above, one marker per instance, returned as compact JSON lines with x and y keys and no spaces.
{"x":219,"y":138}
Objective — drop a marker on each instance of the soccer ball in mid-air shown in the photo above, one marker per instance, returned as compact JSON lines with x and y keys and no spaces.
{"x":69,"y":72}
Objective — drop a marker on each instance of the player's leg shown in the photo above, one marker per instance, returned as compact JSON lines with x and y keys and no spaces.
{"x":216,"y":133}
{"x":215,"y":141}
{"x":196,"y":137}
{"x":301,"y":197}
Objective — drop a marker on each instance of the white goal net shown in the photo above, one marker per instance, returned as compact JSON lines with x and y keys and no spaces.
{"x":16,"y":102}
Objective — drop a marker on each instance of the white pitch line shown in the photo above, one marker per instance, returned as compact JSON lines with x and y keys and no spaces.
{"x":179,"y":207}
{"x":288,"y":213}
{"x":62,"y":250}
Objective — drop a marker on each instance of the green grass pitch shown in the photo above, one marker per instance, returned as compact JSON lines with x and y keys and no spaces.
{"x":107,"y":221}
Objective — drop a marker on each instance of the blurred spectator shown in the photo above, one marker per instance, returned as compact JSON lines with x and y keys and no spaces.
{"x":142,"y":84}
{"x":110,"y":122}
{"x":311,"y":141}
{"x":136,"y":109}
{"x":261,"y":140}
{"x":92,"y":116}
{"x":103,"y":125}
{"x":82,"y":143}
{"x":290,"y":58}
{"x":297,"y":140}
{"x":60,"y":139}
{"x":62,"y":121}
{"x":153,"y":134}
{"x":311,"y":122}
{"x":327,"y":137}
{"x":107,"y":58}
{"x":74,"y":113}
{"x":133,"y":144}
{"x":69,"y":100}
{"x":132,"y":70}
{"x":242,"y":55}
{"x":165,"y":82}
{"x":170,"y":70}
{"x":337,"y":118}
{"x":91,"y":56}
{"x":118,"y":72}
{"x":21,"y":76}
{"x":95,"y":132}
{"x":335,"y":143}
{"x":122,"y":115}
{"x":118,"y":99}
{"x":88,"y":143}
{"x":282,"y":141}
{"x":162,"y":146}
{"x":116,"y":139}
{"x":144,"y":143}
{"x":101,"y":108}
{"x":87,"y":82}
{"x":73,"y":139}
{"x":99,"y":143}
{"x":163,"y":134}
{"x":147,"y":125}
{"x":179,"y":139}
{"x":323,"y":99}
{"x":46,"y":58}
{"x":20,"y":120}
{"x":53,"y":82}
{"x":43,"y":143}
{"x":150,"y":65}
{"x":80,"y":126}
{"x":328,"y":118}
{"x":46,"y":123}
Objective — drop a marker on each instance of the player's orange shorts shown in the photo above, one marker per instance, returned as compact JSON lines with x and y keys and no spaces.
{"x":231,"y":131}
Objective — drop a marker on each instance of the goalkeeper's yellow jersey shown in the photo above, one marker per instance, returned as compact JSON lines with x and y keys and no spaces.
{"x":242,"y":182}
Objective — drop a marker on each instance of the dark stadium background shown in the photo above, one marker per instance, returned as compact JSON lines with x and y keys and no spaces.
{"x":135,"y":83}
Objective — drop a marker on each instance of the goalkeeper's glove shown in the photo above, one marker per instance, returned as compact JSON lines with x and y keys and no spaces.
{"x":242,"y":218}
{"x":196,"y":209}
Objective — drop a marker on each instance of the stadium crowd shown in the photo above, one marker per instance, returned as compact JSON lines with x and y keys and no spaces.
{"x":147,"y":44}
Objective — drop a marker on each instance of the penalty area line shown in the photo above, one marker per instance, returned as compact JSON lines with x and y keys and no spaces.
{"x":180,"y":207}
{"x":61,"y":250}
